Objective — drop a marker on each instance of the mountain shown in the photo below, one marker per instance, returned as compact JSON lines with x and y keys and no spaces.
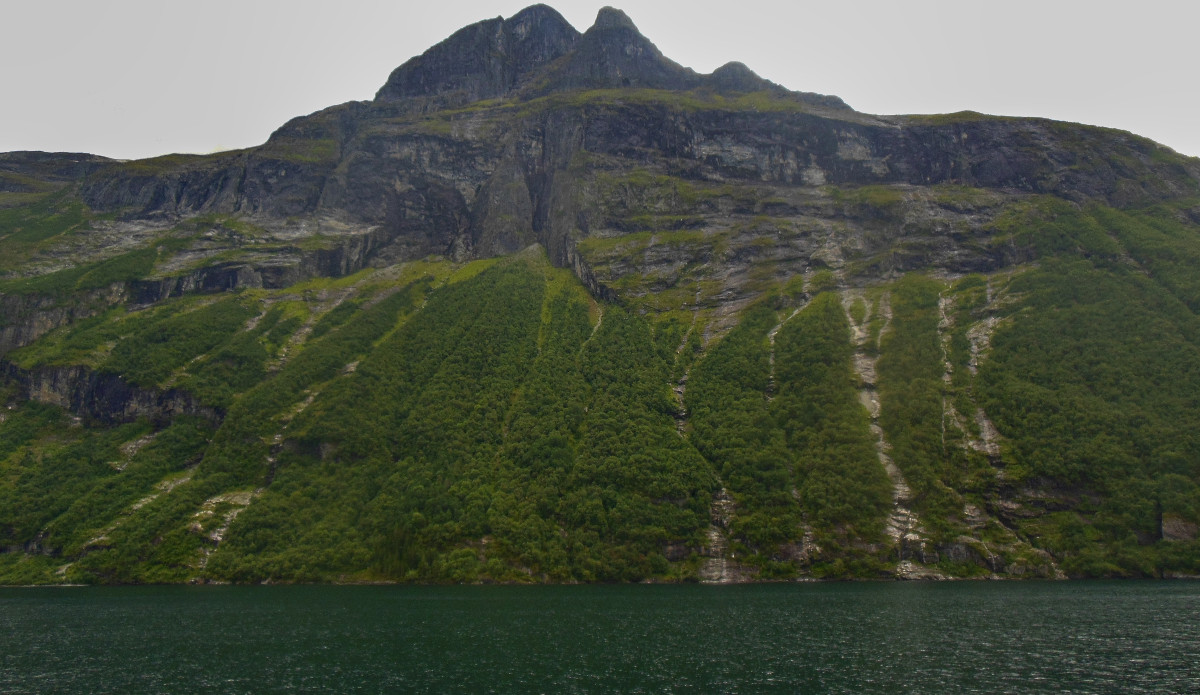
{"x":553,"y":308}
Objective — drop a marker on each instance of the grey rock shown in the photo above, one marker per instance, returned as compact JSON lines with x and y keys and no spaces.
{"x":485,"y":60}
{"x":104,"y":397}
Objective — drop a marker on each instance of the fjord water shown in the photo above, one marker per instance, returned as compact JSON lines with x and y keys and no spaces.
{"x":1083,"y":637}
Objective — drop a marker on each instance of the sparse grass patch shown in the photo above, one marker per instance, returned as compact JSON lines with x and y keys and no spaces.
{"x":302,"y":150}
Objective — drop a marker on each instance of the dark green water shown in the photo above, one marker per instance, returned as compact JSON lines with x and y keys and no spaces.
{"x":1090,"y":637}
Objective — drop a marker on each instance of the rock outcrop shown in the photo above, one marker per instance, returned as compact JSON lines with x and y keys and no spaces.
{"x":103,"y":397}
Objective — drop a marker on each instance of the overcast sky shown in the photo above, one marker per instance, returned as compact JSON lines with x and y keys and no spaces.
{"x":138,"y":78}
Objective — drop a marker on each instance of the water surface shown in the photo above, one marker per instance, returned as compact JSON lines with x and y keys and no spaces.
{"x":962,"y":637}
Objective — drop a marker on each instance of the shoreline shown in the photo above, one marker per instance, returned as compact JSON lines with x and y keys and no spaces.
{"x":1172,"y":577}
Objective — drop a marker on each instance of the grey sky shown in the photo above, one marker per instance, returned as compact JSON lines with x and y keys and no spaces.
{"x":137,"y":78}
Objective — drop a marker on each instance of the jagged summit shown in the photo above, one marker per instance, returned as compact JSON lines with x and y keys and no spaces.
{"x":484,"y":60}
{"x":614,"y":54}
{"x":537,"y":52}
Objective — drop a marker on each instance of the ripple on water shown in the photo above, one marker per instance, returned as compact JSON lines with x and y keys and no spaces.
{"x":1136,"y":637}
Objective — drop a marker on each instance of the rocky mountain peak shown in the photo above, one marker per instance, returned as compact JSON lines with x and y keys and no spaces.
{"x":484,"y":60}
{"x":537,"y":52}
{"x":612,"y":18}
{"x":614,"y":54}
{"x":539,"y":26}
{"x":736,"y":77}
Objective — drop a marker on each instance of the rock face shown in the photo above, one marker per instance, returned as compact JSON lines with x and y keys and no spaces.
{"x":57,"y":167}
{"x":106,"y":398}
{"x":484,"y":61}
{"x":27,"y":318}
{"x":279,"y":268}
{"x":614,"y":54}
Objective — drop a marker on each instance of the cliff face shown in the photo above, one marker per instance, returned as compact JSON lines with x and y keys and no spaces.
{"x":106,"y":398}
{"x":417,"y":161}
{"x":552,"y":307}
{"x":27,"y":318}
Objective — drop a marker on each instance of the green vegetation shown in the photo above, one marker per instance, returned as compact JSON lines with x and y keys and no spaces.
{"x":29,"y":224}
{"x":802,"y":461}
{"x":65,"y":484}
{"x":26,"y":229}
{"x":490,"y":422}
{"x":156,"y":165}
{"x":167,"y":538}
{"x":1162,"y":244}
{"x":301,"y":150}
{"x":240,"y":363}
{"x":911,"y":393}
{"x":841,"y":485}
{"x":1094,"y":385}
{"x":941,"y":119}
{"x":494,"y":434}
{"x":733,"y":428}
{"x":151,"y":353}
{"x":821,"y":281}
{"x":691,"y":101}
{"x":469,"y":456}
{"x":869,"y":201}
{"x":60,"y":284}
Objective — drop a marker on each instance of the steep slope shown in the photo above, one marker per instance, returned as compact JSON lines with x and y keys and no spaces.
{"x":552,"y":307}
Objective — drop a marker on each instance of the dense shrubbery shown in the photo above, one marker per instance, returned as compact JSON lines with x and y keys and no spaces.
{"x":1095,"y":387}
{"x":802,"y":460}
{"x":841,"y":483}
{"x":488,"y":437}
{"x":150,"y":354}
{"x":71,"y":486}
{"x":911,"y":393}
{"x":734,"y":428}
{"x":1093,"y":383}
